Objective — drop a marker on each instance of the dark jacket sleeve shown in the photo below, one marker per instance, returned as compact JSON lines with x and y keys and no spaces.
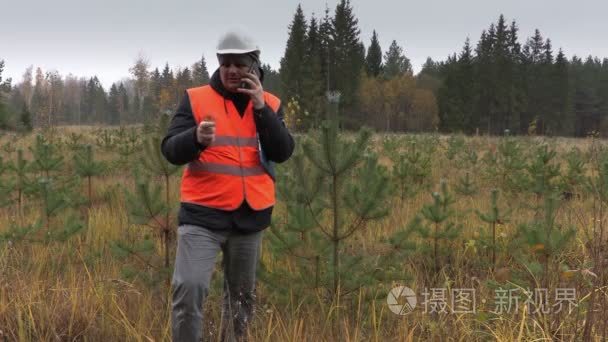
{"x":180,"y":146}
{"x":276,"y":141}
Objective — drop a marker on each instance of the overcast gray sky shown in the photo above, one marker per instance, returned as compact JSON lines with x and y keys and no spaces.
{"x":87,"y":37}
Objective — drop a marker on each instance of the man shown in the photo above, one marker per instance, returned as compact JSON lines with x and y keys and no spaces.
{"x":228,"y":132}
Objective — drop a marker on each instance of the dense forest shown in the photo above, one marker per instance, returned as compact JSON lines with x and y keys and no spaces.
{"x":525,"y":86}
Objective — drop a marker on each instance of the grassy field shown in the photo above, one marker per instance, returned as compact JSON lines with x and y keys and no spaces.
{"x":82,"y":288}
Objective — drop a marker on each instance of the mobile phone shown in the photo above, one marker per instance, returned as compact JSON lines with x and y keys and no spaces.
{"x":252,"y":68}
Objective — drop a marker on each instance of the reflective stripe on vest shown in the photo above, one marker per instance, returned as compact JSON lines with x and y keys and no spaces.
{"x":228,"y":171}
{"x":224,"y":140}
{"x":198,"y":166}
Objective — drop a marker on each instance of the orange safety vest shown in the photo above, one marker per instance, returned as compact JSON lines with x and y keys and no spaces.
{"x":229,"y":170}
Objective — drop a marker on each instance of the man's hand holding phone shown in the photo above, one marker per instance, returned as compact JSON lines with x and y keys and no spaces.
{"x":205,"y":132}
{"x":254,"y":89}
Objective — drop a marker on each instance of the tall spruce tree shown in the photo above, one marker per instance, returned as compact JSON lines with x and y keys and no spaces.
{"x":113,"y":113}
{"x":200,"y":74}
{"x":311,"y":100}
{"x":395,"y":62}
{"x":155,"y":88}
{"x":533,"y":56}
{"x":272,"y":79}
{"x":183,"y":81}
{"x":373,"y":60}
{"x":3,"y":108}
{"x":485,"y":85}
{"x":123,"y":101}
{"x":561,"y":99}
{"x":456,"y":94}
{"x":348,"y":54}
{"x":326,"y":52}
{"x":503,"y":71}
{"x":429,"y":77}
{"x":292,"y":66}
{"x":603,"y":92}
{"x":516,"y":92}
{"x":166,"y":78}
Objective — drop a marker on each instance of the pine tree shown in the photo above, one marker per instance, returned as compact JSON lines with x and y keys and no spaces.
{"x":456,"y":144}
{"x":466,"y":186}
{"x":326,"y":198}
{"x":7,"y":185}
{"x":47,"y":159}
{"x":298,"y":236}
{"x":543,"y":174}
{"x":105,"y":139}
{"x":435,"y":224}
{"x":507,"y":165}
{"x":395,"y":62}
{"x":147,"y":206}
{"x":57,"y":195}
{"x":127,"y":142}
{"x":547,"y":239}
{"x":573,"y":180}
{"x":21,"y":169}
{"x":597,"y":186}
{"x":86,"y":166}
{"x":373,"y":60}
{"x":493,"y":217}
{"x":411,"y":170}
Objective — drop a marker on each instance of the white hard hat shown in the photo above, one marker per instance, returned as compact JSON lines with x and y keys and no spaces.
{"x":236,"y":43}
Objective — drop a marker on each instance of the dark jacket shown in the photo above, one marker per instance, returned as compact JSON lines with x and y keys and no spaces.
{"x":180,"y":146}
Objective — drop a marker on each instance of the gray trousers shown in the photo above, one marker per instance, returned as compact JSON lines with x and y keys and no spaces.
{"x":197,"y":248}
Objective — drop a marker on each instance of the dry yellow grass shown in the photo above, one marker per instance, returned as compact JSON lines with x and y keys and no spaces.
{"x":74,"y":291}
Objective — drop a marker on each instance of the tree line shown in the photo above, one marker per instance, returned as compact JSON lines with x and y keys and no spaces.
{"x":497,"y":85}
{"x":530,"y":89}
